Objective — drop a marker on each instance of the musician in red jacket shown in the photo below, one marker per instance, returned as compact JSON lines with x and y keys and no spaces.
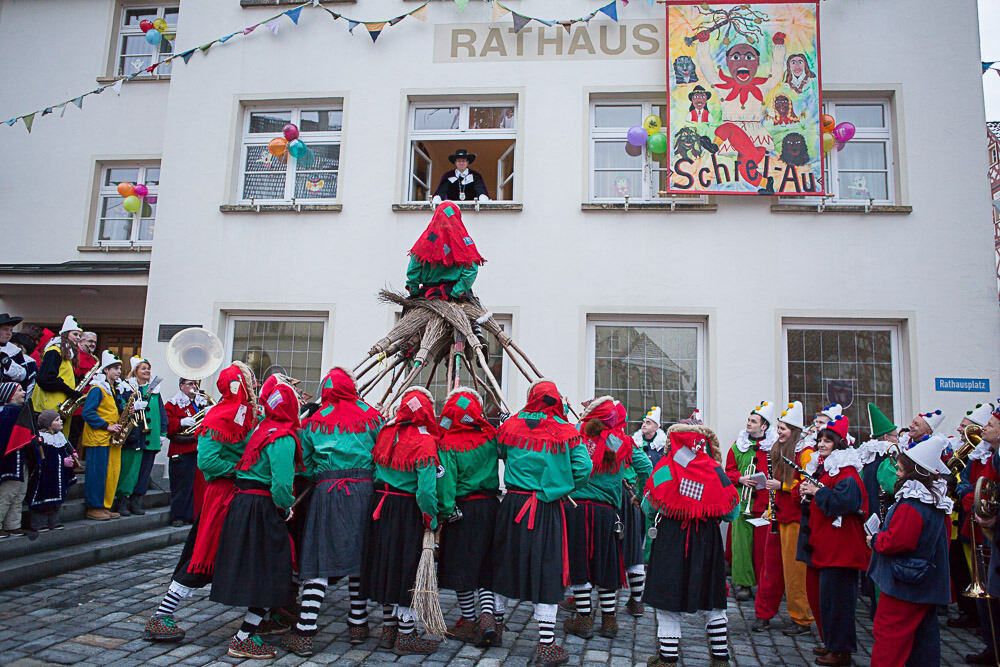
{"x":187,"y":484}
{"x":832,"y":541}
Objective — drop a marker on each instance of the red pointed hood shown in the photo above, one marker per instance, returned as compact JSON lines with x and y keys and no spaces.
{"x":601,"y":425}
{"x":410,"y":439}
{"x":446,"y":241}
{"x":462,"y":422}
{"x":541,"y":424}
{"x":281,"y":418}
{"x":232,"y":417}
{"x":341,"y":410}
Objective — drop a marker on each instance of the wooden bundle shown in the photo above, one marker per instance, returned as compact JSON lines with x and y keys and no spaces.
{"x":426,"y":600}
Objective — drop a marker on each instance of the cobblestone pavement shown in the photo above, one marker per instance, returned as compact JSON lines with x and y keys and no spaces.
{"x":95,"y":616}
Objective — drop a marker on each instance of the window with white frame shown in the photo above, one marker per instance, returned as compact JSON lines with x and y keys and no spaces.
{"x":114,"y":225}
{"x":487,"y":129}
{"x":619,"y":170}
{"x":847,"y":364}
{"x":285,"y":344}
{"x":643,"y":363}
{"x":267,"y":177}
{"x":135,"y":53}
{"x":994,"y":155}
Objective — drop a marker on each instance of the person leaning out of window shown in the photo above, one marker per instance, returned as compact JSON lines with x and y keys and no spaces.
{"x":461,"y":183}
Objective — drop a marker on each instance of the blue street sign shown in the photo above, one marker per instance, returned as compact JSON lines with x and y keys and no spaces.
{"x":962,"y":384}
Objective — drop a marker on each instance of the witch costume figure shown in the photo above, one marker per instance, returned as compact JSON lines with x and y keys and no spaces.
{"x":444,"y":261}
{"x":687,"y":496}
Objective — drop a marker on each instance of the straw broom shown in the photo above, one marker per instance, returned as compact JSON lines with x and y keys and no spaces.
{"x":426,"y":601}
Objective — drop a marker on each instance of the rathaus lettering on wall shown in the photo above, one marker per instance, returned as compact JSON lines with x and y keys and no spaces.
{"x":492,"y":41}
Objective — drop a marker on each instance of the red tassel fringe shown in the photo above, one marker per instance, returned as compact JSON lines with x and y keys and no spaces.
{"x":537,"y":444}
{"x":360,"y":426}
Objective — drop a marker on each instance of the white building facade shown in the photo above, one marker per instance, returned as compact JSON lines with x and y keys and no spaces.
{"x":709,"y":303}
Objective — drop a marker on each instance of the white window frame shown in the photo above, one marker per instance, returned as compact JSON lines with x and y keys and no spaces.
{"x":104,"y":191}
{"x":994,"y":154}
{"x":291,"y":167}
{"x":118,"y":69}
{"x":669,"y":321}
{"x":650,"y":191}
{"x":898,"y":402}
{"x":462,"y":133}
{"x":255,"y":316}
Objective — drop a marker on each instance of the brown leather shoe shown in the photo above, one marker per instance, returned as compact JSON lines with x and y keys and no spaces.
{"x":98,"y":515}
{"x":635,"y":607}
{"x":832,"y":659}
{"x":581,"y":626}
{"x":463,"y":631}
{"x":113,"y":515}
{"x":820,"y":650}
{"x":609,"y":625}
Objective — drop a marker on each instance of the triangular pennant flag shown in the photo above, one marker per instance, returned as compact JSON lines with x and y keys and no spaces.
{"x":24,"y":429}
{"x":118,"y":86}
{"x":223,"y":40}
{"x":461,"y":4}
{"x":420,"y":13}
{"x":46,"y":111}
{"x":186,"y":56}
{"x":519,"y":21}
{"x":987,"y":65}
{"x":351,"y":25}
{"x":78,"y":102}
{"x":624,"y":3}
{"x":567,"y":24}
{"x":247,"y":31}
{"x":272,"y":26}
{"x":28,"y":120}
{"x":62,"y":109}
{"x":206,"y":46}
{"x":375,"y":29}
{"x":548,"y":23}
{"x":151,"y":68}
{"x":997,"y":71}
{"x":294,"y":14}
{"x":397,"y":19}
{"x":611,"y":10}
{"x":499,"y":11}
{"x":10,"y":123}
{"x":98,"y":91}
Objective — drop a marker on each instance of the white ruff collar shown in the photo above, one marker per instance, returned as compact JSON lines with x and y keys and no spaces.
{"x":914,"y":490}
{"x":837,"y":460}
{"x":870,"y":450}
{"x":743,"y":441}
{"x":806,"y":442}
{"x":180,"y":399}
{"x":101,"y":380}
{"x":982,"y":453}
{"x":56,"y":439}
{"x":659,"y":440}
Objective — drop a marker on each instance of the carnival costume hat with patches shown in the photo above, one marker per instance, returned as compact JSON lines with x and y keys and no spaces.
{"x":446,"y":241}
{"x":832,"y":410}
{"x":108,"y":358}
{"x":70,"y":324}
{"x":653,"y":415}
{"x":134,"y":362}
{"x":541,"y":424}
{"x":793,"y":415}
{"x":281,"y":418}
{"x":839,"y":425}
{"x":463,"y":424}
{"x":880,"y":424}
{"x":927,"y":453}
{"x":232,"y":417}
{"x":341,"y":410}
{"x":410,"y":439}
{"x":981,"y":414}
{"x":767,"y":410}
{"x":688,"y":482}
{"x":933,"y":419}
{"x":608,"y":449}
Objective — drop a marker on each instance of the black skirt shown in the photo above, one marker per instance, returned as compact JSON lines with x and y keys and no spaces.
{"x":465,"y":558}
{"x":253,"y":567}
{"x":181,"y":574}
{"x":594,"y":547}
{"x":635,"y":532}
{"x":336,"y":524}
{"x":686,"y":570}
{"x":529,"y":561}
{"x":392,"y":549}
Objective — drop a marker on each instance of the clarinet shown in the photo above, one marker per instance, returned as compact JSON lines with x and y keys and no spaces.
{"x":805,"y":499}
{"x":771,"y":494}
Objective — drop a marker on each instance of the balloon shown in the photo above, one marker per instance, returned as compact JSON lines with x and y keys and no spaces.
{"x":844,"y":132}
{"x":151,"y":199}
{"x":145,"y":25}
{"x":160,"y":24}
{"x":141,"y":191}
{"x":170,"y":36}
{"x":657,"y":143}
{"x":277,"y":146}
{"x":651,"y":124}
{"x":126,"y":189}
{"x":297,"y":148}
{"x":147,"y":211}
{"x":290,"y":132}
{"x":840,"y":145}
{"x":131,"y":204}
{"x":154,"y":37}
{"x":829,"y":142}
{"x":828,"y":122}
{"x":634,"y":151}
{"x":637,"y":136}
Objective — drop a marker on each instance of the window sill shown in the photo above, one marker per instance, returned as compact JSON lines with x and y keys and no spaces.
{"x":272,"y":3}
{"x":114,"y":248}
{"x":649,"y":206}
{"x":139,"y":79}
{"x":281,"y":208}
{"x":839,"y":208}
{"x":465,"y":206}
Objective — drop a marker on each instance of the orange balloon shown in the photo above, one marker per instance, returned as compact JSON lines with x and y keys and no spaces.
{"x":126,"y":189}
{"x":828,"y":122}
{"x":277,"y":146}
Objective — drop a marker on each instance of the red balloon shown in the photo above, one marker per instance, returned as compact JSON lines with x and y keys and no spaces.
{"x":291,"y":132}
{"x":145,"y":25}
{"x":141,"y":190}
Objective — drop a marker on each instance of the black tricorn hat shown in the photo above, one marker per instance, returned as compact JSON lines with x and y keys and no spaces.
{"x":461,"y":152}
{"x":699,"y":89}
{"x":9,"y":319}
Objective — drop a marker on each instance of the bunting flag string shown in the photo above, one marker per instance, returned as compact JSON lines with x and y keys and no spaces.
{"x":987,"y":66}
{"x":373,"y":27}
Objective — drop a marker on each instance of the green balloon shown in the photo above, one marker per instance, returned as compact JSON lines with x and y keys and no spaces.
{"x":131,"y":204}
{"x":657,"y":143}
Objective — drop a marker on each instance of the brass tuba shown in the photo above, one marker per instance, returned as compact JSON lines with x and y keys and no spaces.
{"x":972,"y":435}
{"x":194,"y":354}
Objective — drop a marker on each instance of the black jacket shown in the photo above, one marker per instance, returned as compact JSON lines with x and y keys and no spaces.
{"x":447,"y":189}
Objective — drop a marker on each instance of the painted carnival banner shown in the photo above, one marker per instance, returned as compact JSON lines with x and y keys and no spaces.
{"x":744,"y":106}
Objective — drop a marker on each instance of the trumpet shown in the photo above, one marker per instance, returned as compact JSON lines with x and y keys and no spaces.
{"x":200,"y":415}
{"x":69,"y":406}
{"x":748,"y":491}
{"x":972,"y":435}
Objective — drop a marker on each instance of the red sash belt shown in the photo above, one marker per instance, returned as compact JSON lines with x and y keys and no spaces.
{"x":341,"y":484}
{"x":219,"y":493}
{"x":476,"y":496}
{"x":530,"y":506}
{"x":255,"y":492}
{"x":378,"y":509}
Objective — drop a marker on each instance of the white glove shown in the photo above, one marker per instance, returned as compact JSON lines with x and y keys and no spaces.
{"x":140,"y":405}
{"x":435,"y":200}
{"x":15,"y":371}
{"x":200,"y":400}
{"x":164,"y":441}
{"x":483,"y":198}
{"x":187,"y":421}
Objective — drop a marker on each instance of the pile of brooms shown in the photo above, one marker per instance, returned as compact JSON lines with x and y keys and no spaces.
{"x":432,"y":332}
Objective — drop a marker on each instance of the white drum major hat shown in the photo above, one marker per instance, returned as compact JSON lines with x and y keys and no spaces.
{"x":792,"y":415}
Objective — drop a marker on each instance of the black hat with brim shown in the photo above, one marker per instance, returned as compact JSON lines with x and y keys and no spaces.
{"x":699,"y":89}
{"x":461,"y":152}
{"x":9,"y":319}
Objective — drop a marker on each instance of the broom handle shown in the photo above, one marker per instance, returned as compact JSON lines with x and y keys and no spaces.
{"x":406,"y":383}
{"x":392,"y":382}
{"x":475,"y":380}
{"x":525,"y":357}
{"x":493,"y":380}
{"x":371,"y":383}
{"x":430,"y":377}
{"x":481,"y":384}
{"x":514,"y":360}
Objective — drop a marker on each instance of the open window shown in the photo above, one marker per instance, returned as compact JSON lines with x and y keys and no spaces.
{"x":486,"y":129}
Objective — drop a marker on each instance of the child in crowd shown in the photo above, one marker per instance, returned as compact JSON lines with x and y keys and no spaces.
{"x":13,"y":473}
{"x":54,"y":474}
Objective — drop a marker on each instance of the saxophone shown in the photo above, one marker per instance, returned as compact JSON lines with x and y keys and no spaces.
{"x":69,"y":406}
{"x":127,"y":421}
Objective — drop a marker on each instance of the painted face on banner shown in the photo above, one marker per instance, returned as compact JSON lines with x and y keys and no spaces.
{"x":797,"y":65}
{"x":743,"y":61}
{"x":698,"y":100}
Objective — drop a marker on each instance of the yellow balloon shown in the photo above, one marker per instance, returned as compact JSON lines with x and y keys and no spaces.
{"x":160,"y":24}
{"x":651,"y":124}
{"x":829,"y":141}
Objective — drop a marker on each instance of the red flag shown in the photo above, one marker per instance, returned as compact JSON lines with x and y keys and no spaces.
{"x":24,"y":431}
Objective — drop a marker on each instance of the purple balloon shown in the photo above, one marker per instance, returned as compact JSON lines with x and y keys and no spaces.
{"x":141,"y":190}
{"x":840,"y":145}
{"x":634,"y":151}
{"x":637,"y":136}
{"x":844,"y":131}
{"x":290,"y":132}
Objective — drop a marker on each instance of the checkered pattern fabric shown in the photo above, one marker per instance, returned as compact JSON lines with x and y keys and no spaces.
{"x":691,"y":488}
